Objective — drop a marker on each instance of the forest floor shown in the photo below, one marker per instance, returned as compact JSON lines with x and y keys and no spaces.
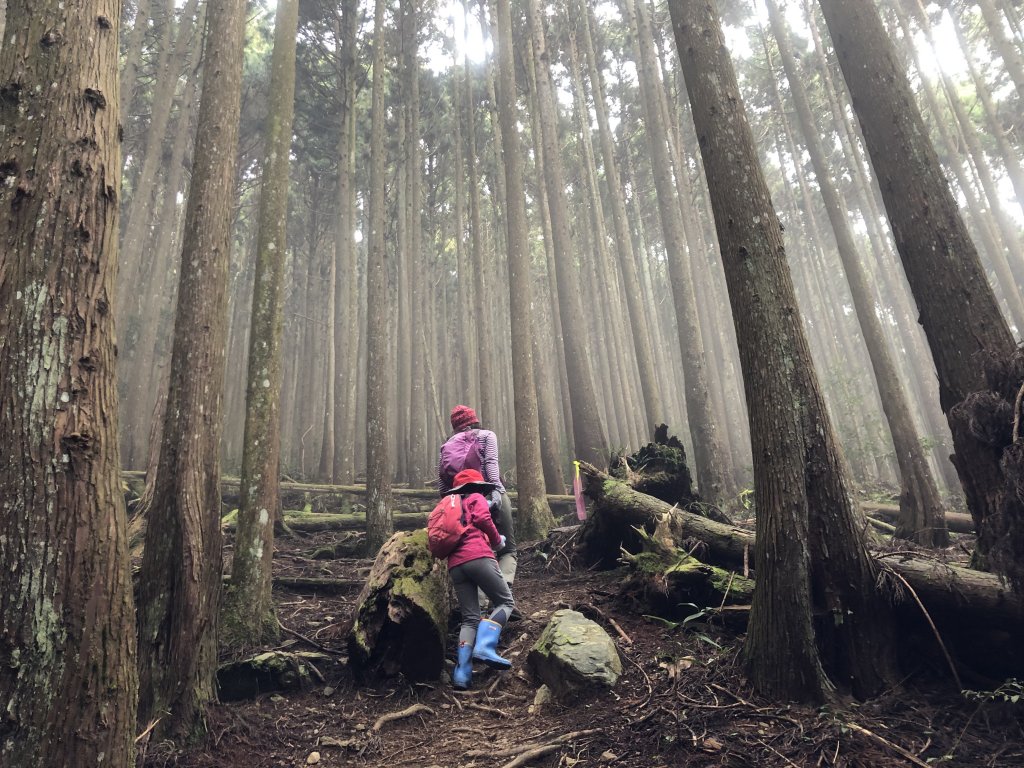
{"x":682,"y":699}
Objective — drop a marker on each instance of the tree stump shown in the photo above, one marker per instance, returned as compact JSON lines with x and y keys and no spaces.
{"x":401,"y":619}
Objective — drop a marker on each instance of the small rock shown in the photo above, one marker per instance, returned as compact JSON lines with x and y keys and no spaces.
{"x":360,"y":726}
{"x":328,"y":691}
{"x":313,"y":759}
{"x":711,"y":745}
{"x":609,"y":757}
{"x":542,"y":697}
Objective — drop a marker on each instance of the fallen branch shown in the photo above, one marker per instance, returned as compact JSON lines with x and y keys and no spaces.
{"x":526,"y":757}
{"x":523,"y":748}
{"x":487,"y":709}
{"x":415,"y":709}
{"x":885,"y":742}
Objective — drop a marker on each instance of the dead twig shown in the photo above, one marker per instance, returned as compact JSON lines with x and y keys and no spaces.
{"x":487,"y":709}
{"x":621,"y":632}
{"x":305,"y":639}
{"x":885,"y":742}
{"x":415,"y":709}
{"x":524,"y":748}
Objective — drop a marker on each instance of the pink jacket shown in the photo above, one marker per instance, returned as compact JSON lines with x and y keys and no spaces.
{"x":481,"y":538}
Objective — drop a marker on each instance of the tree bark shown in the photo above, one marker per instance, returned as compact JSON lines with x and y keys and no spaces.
{"x":1004,"y":46}
{"x":802,"y":485}
{"x":68,"y":681}
{"x":958,"y":309}
{"x":378,"y":327}
{"x":247,"y":617}
{"x":179,"y":584}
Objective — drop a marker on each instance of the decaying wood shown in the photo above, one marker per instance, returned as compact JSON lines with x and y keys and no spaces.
{"x":947,"y":591}
{"x":401,"y":617}
{"x":271,"y":671}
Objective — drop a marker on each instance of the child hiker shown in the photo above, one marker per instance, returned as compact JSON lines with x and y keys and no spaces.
{"x":472,"y":565}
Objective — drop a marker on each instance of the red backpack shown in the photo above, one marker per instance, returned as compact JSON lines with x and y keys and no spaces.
{"x":445,"y":526}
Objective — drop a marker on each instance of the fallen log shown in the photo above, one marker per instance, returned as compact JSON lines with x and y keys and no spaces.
{"x":948,"y":592}
{"x":316,"y":584}
{"x":311,"y":522}
{"x":337,"y":498}
{"x":401,"y":617}
{"x":270,"y":671}
{"x":957,"y":522}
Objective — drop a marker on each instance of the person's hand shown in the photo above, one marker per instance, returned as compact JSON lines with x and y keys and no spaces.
{"x":501,"y":545}
{"x":494,"y":502}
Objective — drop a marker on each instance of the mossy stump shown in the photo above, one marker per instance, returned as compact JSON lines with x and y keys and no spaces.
{"x":401,"y":619}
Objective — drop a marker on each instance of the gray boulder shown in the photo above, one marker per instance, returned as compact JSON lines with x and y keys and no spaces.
{"x":574,"y":655}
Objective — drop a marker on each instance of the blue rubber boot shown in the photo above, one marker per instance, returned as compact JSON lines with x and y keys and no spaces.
{"x":486,"y":648}
{"x":462,"y":676}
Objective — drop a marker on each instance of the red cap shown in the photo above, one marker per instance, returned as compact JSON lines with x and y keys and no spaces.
{"x":463,"y":416}
{"x":470,"y":477}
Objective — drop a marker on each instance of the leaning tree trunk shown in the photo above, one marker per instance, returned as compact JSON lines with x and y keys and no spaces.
{"x":922,"y":517}
{"x":802,"y":485}
{"x":958,"y":310}
{"x":534,"y":518}
{"x":179,"y":584}
{"x":68,"y":682}
{"x":378,"y":330}
{"x":248,"y":617}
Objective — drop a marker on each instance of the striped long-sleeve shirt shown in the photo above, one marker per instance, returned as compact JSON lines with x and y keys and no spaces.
{"x":488,"y":459}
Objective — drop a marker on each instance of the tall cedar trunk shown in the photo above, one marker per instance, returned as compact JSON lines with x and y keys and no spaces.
{"x":969,"y":133}
{"x":987,"y":222}
{"x":419,"y":464}
{"x":327,"y":443}
{"x":1010,"y":154}
{"x":922,"y":516}
{"x":132,"y":55}
{"x":165,"y":241}
{"x":179,"y":584}
{"x":1007,"y":49}
{"x":378,"y":328}
{"x":550,"y":281}
{"x":69,"y":684}
{"x":248,"y":618}
{"x":534,"y":517}
{"x":803,"y":491}
{"x":484,"y":353}
{"x":346,"y":335}
{"x":590,"y":438}
{"x":466,"y":349}
{"x":707,"y":459}
{"x":958,"y":309}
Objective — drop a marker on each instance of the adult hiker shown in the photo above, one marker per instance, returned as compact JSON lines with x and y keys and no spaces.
{"x":473,"y":567}
{"x":471,"y":447}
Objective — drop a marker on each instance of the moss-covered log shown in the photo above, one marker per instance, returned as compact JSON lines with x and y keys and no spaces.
{"x":266,"y":672}
{"x":951,"y":593}
{"x":401,"y":618}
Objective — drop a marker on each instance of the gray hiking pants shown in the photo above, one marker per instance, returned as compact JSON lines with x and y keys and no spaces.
{"x":483,"y":574}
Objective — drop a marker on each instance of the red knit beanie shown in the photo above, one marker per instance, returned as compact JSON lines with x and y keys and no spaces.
{"x":463,"y":416}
